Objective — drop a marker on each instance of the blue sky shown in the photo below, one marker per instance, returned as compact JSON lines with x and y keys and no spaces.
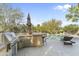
{"x":41,"y":12}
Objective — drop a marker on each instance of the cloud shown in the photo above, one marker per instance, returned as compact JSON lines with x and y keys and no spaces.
{"x":62,"y":7}
{"x":67,"y":6}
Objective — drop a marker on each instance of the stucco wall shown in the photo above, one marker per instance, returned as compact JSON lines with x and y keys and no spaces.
{"x":37,"y":40}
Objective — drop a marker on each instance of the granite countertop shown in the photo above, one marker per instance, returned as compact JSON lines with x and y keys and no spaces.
{"x":38,"y":33}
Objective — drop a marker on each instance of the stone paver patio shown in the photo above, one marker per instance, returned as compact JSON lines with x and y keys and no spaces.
{"x":52,"y":48}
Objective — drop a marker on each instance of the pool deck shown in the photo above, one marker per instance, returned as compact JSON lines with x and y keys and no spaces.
{"x":52,"y":48}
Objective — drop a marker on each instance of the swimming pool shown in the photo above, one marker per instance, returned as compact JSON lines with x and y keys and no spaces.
{"x":55,"y":37}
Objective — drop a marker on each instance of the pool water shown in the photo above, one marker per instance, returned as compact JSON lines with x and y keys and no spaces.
{"x":55,"y":37}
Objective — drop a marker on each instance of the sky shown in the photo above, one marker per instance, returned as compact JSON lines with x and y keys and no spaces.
{"x":41,"y":12}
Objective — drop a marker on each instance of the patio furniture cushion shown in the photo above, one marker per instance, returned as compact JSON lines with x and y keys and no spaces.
{"x":66,"y":38}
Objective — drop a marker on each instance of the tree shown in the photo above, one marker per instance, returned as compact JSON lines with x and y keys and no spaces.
{"x":34,"y":29}
{"x":51,"y":26}
{"x":72,"y":28}
{"x":73,"y":13}
{"x":9,"y":17}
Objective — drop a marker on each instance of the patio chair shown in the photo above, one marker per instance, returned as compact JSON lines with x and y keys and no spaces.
{"x":67,"y":40}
